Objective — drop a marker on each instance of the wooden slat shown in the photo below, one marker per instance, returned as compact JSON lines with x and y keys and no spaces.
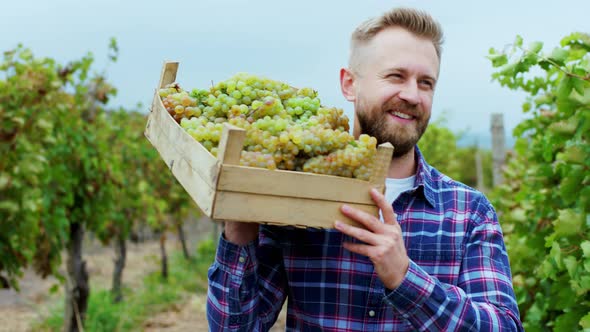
{"x":293,"y":211}
{"x":168,"y":75}
{"x":294,"y":184}
{"x":231,"y":144}
{"x":381,"y":166}
{"x":192,"y":165}
{"x":181,"y":141}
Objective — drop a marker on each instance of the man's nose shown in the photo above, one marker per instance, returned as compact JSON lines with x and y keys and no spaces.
{"x":410,"y":92}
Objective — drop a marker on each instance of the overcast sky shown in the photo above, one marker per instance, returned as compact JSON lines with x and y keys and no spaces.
{"x":304,"y":43}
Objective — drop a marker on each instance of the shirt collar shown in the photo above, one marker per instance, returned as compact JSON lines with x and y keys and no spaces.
{"x":424,"y":178}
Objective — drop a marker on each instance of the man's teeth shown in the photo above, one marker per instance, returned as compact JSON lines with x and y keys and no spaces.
{"x":402,"y":115}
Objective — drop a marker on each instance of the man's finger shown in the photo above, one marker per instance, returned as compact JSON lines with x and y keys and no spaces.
{"x":368,"y":220}
{"x":357,"y":233}
{"x":389,"y":217}
{"x":358,"y":248}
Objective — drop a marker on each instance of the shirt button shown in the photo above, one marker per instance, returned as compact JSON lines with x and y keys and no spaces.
{"x":242,"y":259}
{"x":372,"y":313}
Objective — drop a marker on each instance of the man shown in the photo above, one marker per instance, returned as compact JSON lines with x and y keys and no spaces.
{"x":436,"y":261}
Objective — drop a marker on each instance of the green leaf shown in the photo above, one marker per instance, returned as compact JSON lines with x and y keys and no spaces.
{"x":567,"y":321}
{"x":571,"y":264}
{"x":585,"y":248}
{"x":535,"y":47}
{"x":545,"y":65}
{"x":54,"y":289}
{"x":518,"y":41}
{"x":569,"y":222}
{"x":498,"y":59}
{"x":559,"y":55}
{"x":565,"y":127}
{"x":9,"y":206}
{"x":544,"y":99}
{"x":555,"y":253}
{"x":4,"y":181}
{"x":565,"y":87}
{"x":585,"y":321}
{"x":569,"y":188}
{"x":518,"y":215}
{"x":526,"y":107}
{"x":579,"y":85}
{"x":583,"y":98}
{"x":564,"y":294}
{"x":508,"y":69}
{"x":573,"y":154}
{"x":576,"y":38}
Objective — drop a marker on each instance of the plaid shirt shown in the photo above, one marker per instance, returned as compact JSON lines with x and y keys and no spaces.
{"x":458,"y":278}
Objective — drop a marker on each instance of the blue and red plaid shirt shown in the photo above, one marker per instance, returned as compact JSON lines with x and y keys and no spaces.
{"x":458,"y":278}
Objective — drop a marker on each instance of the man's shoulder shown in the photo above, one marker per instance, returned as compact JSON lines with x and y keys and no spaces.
{"x":445,"y":182}
{"x":445,"y":186}
{"x":439,"y":182}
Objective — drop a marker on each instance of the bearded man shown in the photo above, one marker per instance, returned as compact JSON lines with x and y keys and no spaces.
{"x":436,"y":261}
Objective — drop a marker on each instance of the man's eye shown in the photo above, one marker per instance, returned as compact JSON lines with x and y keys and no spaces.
{"x":427,"y":83}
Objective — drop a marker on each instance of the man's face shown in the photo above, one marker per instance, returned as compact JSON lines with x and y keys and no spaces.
{"x":393,"y":88}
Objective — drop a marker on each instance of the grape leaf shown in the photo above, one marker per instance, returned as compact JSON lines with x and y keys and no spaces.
{"x":568,"y":223}
{"x":535,"y":47}
{"x":568,"y":321}
{"x":585,"y":248}
{"x":571,"y":265}
{"x":559,"y":55}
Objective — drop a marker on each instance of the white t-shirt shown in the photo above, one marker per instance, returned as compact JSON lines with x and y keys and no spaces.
{"x":394,"y":187}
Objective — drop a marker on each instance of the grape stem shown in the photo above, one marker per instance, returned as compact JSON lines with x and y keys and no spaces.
{"x":556,"y":65}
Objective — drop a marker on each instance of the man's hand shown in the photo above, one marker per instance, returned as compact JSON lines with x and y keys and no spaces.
{"x":240,"y":233}
{"x":384,"y":241}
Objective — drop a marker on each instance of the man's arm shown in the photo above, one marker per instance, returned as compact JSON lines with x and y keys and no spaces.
{"x":483,"y":299}
{"x":246,"y":281}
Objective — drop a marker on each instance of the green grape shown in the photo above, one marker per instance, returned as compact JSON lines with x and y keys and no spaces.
{"x":286,"y":128}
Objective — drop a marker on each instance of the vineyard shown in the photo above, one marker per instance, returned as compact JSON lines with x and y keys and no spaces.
{"x":77,"y":173}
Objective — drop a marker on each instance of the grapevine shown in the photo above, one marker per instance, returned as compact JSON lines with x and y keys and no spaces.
{"x":545,"y":201}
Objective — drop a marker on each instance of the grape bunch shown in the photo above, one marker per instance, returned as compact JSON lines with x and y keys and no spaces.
{"x":286,"y":128}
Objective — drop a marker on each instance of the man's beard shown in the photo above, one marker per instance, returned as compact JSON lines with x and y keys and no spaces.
{"x":375,"y":122}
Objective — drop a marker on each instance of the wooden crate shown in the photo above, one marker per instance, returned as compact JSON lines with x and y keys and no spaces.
{"x":224,"y":190}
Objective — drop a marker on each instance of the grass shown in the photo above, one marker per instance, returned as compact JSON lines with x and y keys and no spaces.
{"x":155,"y":295}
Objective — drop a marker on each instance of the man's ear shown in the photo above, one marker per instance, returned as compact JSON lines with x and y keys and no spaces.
{"x":347,"y":84}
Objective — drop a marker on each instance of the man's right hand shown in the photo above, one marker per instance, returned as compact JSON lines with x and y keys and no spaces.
{"x":240,"y":233}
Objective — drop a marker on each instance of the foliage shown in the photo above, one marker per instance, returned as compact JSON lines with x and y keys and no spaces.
{"x":29,"y":95}
{"x":51,"y":159}
{"x":439,"y":147}
{"x":67,"y":158}
{"x":545,"y":201}
{"x":135,"y":165}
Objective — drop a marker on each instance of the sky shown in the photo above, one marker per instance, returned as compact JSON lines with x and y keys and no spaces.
{"x":303,"y":43}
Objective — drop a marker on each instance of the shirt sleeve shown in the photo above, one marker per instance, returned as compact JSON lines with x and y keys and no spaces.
{"x":483,"y":299}
{"x":246,"y":286}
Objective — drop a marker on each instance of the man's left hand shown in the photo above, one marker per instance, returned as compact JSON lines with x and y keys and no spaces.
{"x":384,"y":243}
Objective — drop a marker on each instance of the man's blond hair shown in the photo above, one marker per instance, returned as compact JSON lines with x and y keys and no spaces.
{"x":415,"y":21}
